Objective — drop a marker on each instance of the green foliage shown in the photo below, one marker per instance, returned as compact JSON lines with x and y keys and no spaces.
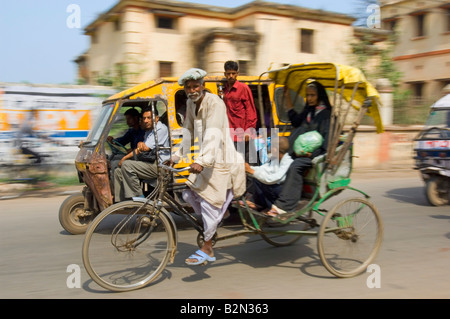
{"x":116,"y":79}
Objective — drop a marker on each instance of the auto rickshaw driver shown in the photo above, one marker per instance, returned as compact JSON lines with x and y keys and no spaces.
{"x":144,"y":167}
{"x":135,"y":132}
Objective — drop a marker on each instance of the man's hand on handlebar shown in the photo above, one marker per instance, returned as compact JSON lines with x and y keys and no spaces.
{"x":169,"y":162}
{"x":193,"y":168}
{"x":196,"y":168}
{"x":172,"y":161}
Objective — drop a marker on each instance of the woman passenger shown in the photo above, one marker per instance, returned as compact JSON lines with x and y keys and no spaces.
{"x":315,"y":116}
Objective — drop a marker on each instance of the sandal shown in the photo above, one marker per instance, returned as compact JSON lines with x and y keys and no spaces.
{"x":278,"y":213}
{"x":250,"y":204}
{"x":201,"y":257}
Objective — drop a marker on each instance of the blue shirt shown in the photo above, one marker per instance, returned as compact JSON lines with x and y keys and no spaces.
{"x":273,"y":172}
{"x":162,"y":133}
{"x":132,"y":136}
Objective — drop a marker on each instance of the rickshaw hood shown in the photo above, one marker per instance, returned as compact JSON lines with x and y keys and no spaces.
{"x":332,"y":77}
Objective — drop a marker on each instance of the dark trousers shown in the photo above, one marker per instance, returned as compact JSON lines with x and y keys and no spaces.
{"x":265,"y":195}
{"x":291,"y":192}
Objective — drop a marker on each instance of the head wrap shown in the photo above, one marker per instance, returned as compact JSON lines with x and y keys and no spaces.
{"x":191,"y":74}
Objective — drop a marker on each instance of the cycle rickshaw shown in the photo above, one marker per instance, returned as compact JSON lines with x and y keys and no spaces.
{"x":129,"y":244}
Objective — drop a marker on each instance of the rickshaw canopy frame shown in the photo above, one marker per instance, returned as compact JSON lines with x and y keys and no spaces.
{"x":343,"y":80}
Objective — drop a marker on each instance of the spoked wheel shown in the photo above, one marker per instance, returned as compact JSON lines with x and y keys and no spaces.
{"x":437,"y":191}
{"x":126,"y":247}
{"x":277,"y":234}
{"x":350,"y":237}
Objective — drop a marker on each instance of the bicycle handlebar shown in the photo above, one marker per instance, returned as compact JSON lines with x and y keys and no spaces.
{"x":175,"y":170}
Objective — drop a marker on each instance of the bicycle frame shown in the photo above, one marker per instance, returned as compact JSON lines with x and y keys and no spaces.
{"x":161,"y":197}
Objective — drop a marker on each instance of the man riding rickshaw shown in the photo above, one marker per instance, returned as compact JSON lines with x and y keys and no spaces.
{"x":168,"y":98}
{"x":143,"y":232}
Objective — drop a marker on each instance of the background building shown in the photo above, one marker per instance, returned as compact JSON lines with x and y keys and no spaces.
{"x":422,"y":46}
{"x":137,"y":40}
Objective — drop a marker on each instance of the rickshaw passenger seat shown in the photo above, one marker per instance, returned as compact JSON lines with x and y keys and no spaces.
{"x":146,"y":184}
{"x":164,"y":119}
{"x":312,"y":175}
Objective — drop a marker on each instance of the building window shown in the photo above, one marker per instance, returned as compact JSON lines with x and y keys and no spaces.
{"x":165,"y":69}
{"x":417,"y":89}
{"x":117,"y":25}
{"x":447,"y":15}
{"x":243,"y":67}
{"x":420,"y":25}
{"x":165,"y":22}
{"x":390,"y":24}
{"x":306,"y":40}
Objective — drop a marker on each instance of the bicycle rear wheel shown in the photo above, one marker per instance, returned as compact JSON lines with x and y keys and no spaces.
{"x":126,"y":247}
{"x":280,"y":235}
{"x":350,"y":237}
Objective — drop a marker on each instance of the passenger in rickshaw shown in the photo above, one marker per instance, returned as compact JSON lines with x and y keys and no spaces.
{"x":214,"y":179}
{"x":315,"y":116}
{"x":132,"y":136}
{"x":268,"y":178}
{"x":241,"y":112}
{"x":140,"y":164}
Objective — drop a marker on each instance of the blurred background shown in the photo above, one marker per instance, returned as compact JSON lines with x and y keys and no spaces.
{"x":61,"y":59}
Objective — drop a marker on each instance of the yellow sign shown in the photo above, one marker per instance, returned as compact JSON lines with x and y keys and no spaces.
{"x":46,"y":120}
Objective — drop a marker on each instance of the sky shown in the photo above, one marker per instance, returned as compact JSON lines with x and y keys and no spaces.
{"x":39,"y":39}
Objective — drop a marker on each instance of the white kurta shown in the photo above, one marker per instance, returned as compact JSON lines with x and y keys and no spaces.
{"x":223,"y":166}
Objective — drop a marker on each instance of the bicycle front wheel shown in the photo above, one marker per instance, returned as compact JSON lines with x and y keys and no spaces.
{"x":350,"y":237}
{"x":127,"y":247}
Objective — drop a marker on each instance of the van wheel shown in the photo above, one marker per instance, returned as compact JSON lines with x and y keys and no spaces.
{"x":437,"y":191}
{"x":72,"y":215}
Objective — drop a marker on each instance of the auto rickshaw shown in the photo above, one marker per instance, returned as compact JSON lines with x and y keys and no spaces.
{"x":432,"y":153}
{"x":129,"y":244}
{"x":95,"y":154}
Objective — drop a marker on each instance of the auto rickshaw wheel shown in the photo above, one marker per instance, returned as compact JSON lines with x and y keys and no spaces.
{"x":436,"y":191}
{"x":72,"y":215}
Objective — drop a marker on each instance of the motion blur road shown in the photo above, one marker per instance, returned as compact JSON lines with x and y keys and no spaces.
{"x":414,"y":259}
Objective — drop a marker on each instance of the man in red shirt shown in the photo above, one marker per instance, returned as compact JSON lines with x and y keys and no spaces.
{"x":241,"y":112}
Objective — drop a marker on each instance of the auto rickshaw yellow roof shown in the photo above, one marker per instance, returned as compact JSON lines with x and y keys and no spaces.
{"x":129,"y":93}
{"x":333,"y":77}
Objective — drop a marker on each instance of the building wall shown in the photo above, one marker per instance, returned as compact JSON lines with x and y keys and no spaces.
{"x":141,"y":45}
{"x":107,"y":40}
{"x":426,"y":58}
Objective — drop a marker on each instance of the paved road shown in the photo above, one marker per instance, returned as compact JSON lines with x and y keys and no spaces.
{"x":414,"y":260}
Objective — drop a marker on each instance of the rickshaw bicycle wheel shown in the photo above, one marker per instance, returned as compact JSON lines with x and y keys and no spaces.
{"x":350,"y":237}
{"x":280,"y":235}
{"x":126,"y":248}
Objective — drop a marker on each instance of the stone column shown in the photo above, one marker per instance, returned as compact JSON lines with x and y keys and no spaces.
{"x":386,"y":92}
